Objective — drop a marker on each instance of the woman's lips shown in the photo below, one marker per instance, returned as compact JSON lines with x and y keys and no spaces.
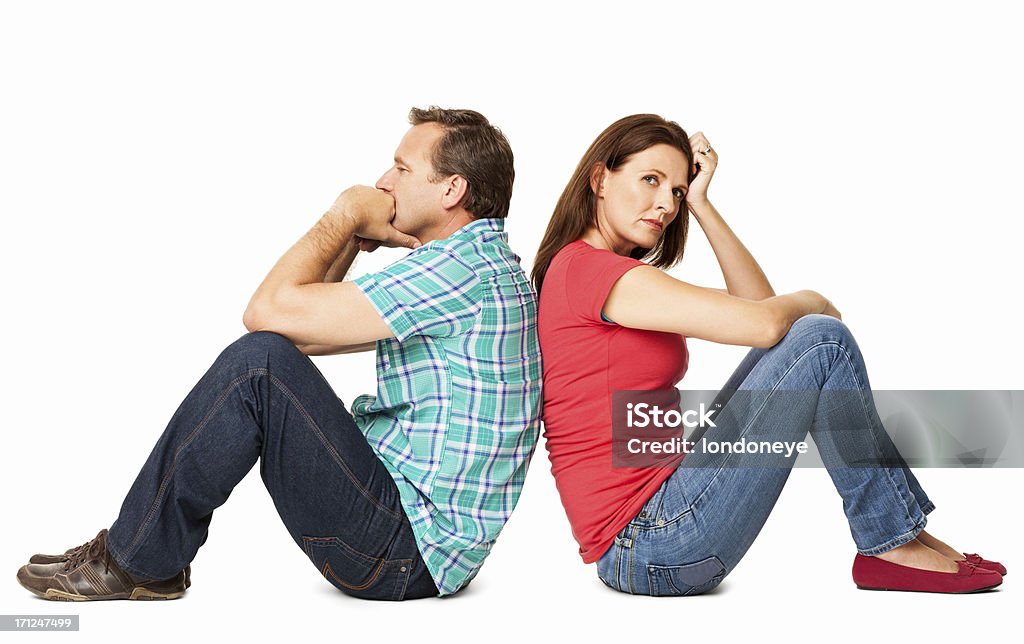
{"x":654,"y":223}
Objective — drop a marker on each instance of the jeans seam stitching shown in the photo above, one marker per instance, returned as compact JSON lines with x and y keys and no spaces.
{"x":760,"y":409}
{"x":338,"y":541}
{"x":376,"y":573}
{"x":758,"y":412}
{"x":399,"y":594}
{"x":849,"y":361}
{"x":214,"y":408}
{"x":874,"y":438}
{"x":330,"y":448}
{"x":218,"y":403}
{"x":629,"y":558}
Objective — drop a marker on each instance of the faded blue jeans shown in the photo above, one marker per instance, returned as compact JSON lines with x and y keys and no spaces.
{"x":264,"y":400}
{"x":695,"y":529}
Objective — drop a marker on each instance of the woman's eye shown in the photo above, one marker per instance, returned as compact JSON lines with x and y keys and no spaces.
{"x":679,"y":193}
{"x":651,"y":179}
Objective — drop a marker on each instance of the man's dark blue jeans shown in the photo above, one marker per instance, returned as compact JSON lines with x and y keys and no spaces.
{"x":264,"y":399}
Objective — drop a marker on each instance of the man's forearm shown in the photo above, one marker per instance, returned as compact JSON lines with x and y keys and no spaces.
{"x":343,"y":263}
{"x":308,"y":261}
{"x":335,"y":349}
{"x":336,"y":273}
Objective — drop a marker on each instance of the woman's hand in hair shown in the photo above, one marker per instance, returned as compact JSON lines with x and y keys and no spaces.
{"x":705,"y":160}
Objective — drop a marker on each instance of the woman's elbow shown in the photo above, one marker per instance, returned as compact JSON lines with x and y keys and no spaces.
{"x":770,"y":331}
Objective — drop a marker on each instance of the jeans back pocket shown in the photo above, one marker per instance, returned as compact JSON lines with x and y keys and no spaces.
{"x":687,"y":579}
{"x":355,"y":573}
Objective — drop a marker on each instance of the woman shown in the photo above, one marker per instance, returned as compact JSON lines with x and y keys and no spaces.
{"x":609,"y":322}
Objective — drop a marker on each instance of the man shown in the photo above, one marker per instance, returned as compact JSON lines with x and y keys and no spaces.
{"x":404,"y":497}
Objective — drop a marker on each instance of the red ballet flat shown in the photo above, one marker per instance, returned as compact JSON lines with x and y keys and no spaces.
{"x":872,"y":573}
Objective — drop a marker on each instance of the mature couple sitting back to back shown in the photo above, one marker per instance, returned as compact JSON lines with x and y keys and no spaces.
{"x":403,"y":496}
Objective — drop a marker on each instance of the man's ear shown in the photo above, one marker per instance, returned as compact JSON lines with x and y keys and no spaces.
{"x":597,"y":176}
{"x":456,"y":189}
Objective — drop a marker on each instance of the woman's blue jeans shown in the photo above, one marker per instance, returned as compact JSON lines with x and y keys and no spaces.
{"x":265,"y":400}
{"x":695,"y":529}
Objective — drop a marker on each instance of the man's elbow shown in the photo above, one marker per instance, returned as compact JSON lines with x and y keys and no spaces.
{"x":254,"y":321}
{"x":267,"y":315}
{"x":258,"y":316}
{"x":250,"y":319}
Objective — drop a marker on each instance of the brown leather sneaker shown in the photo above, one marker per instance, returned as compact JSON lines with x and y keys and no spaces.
{"x":49,"y":559}
{"x":90,"y":573}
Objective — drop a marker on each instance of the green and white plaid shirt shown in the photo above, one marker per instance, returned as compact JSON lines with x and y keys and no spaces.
{"x":457,"y":411}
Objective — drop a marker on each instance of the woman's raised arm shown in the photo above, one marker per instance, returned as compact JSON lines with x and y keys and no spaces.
{"x":743,"y":276}
{"x":647,"y":298}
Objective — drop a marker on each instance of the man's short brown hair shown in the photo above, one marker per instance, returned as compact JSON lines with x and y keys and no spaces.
{"x":476,"y":150}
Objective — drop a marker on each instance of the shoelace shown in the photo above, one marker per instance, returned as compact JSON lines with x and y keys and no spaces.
{"x":95,"y":549}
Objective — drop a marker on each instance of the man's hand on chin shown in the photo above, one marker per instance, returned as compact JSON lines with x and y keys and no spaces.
{"x":371,"y":212}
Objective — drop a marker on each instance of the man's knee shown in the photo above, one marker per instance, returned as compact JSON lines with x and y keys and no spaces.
{"x":261,"y":343}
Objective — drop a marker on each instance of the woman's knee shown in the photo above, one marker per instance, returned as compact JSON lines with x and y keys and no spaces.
{"x":819,"y":321}
{"x":818,"y":327}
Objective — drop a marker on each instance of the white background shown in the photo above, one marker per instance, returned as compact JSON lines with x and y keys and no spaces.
{"x":156,"y":162}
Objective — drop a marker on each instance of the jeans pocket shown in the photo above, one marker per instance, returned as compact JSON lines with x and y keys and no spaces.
{"x":651,"y":512}
{"x":355,"y":573}
{"x":675,"y":503}
{"x":687,"y":579}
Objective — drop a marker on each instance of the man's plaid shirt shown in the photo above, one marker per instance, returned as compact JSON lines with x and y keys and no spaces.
{"x":457,"y":411}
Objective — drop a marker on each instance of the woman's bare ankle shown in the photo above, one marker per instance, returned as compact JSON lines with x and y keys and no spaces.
{"x":938,"y":546}
{"x":915,"y":554}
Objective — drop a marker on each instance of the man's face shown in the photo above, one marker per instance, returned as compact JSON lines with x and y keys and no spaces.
{"x":417,"y":199}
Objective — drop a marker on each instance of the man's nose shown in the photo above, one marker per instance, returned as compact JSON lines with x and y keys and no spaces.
{"x":384,"y":183}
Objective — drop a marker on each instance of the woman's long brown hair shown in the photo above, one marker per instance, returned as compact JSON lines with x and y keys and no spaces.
{"x":576,"y":209}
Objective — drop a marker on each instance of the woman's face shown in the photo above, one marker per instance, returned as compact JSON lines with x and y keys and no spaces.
{"x":637,"y":201}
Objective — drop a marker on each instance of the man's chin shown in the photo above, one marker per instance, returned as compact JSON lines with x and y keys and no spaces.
{"x":402,"y":225}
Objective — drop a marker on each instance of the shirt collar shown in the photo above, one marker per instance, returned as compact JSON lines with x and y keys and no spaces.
{"x":480,"y":226}
{"x":477,"y":226}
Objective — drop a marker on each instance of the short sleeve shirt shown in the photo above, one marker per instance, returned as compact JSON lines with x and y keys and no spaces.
{"x":586,"y":358}
{"x":456,"y":415}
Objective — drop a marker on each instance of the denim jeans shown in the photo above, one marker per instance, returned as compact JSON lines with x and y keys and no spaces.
{"x":265,"y":400}
{"x":695,"y":529}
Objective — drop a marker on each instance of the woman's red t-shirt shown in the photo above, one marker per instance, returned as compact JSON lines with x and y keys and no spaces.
{"x":585,"y":360}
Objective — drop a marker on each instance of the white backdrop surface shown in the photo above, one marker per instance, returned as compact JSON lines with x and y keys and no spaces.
{"x":158,"y":159}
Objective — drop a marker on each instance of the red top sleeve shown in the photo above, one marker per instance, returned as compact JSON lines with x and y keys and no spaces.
{"x":590,"y":276}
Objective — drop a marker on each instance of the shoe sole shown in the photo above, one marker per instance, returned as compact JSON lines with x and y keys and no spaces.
{"x":138,"y":593}
{"x":944,"y":592}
